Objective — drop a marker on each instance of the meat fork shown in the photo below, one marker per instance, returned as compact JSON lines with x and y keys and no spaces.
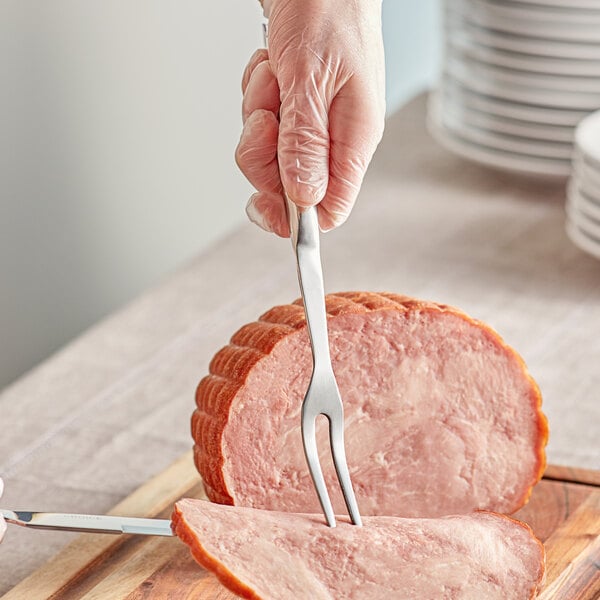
{"x":322,"y":396}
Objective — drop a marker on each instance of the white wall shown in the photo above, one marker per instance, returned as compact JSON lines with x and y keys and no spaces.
{"x":411,"y":31}
{"x":118,"y":122}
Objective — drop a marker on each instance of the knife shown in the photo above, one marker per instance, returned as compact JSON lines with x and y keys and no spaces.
{"x":88,"y":523}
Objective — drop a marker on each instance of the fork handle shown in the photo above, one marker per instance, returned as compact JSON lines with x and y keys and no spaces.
{"x":304,"y":228}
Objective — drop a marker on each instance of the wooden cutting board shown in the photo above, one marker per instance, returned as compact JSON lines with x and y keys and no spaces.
{"x":564,"y":512}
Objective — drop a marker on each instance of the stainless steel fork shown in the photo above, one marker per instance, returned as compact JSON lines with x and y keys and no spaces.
{"x":323,"y":396}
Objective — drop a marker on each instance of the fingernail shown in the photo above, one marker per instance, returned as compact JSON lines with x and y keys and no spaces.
{"x":306,"y":194}
{"x":330,"y":220}
{"x":256,"y":216}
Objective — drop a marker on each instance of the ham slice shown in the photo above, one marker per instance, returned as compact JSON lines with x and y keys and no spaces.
{"x":442,"y":416}
{"x":273,"y":555}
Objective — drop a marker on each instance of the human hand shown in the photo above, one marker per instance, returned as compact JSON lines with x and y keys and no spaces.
{"x":2,"y":521}
{"x":313,"y":109}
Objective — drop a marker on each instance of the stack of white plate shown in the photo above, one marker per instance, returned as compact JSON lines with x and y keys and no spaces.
{"x":518,"y":76}
{"x":583,"y":197}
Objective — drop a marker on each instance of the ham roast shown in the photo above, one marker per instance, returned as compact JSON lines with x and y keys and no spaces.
{"x":279,"y":556}
{"x":441,"y":415}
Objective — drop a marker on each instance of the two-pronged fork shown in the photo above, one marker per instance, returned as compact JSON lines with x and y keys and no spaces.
{"x":323,"y":396}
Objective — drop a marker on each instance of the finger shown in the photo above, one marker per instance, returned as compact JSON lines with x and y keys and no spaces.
{"x":267,"y":210}
{"x":355,"y":128}
{"x":256,"y":153}
{"x":259,"y":56}
{"x":262,"y":91}
{"x":303,"y":147}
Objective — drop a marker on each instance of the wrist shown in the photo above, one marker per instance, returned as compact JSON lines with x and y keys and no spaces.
{"x":268,"y":4}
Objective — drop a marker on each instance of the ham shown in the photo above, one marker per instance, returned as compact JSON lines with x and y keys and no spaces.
{"x":272,"y":555}
{"x":442,"y":417}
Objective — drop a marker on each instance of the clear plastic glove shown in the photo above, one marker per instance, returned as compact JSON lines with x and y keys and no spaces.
{"x":313,"y":109}
{"x":2,"y":521}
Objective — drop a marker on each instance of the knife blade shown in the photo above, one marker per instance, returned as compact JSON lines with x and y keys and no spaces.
{"x":88,"y":523}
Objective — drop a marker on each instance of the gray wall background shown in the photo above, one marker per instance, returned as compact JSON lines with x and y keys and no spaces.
{"x":118,"y":122}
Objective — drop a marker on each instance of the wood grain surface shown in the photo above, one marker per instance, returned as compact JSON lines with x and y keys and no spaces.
{"x":573,"y":554}
{"x":564,"y":514}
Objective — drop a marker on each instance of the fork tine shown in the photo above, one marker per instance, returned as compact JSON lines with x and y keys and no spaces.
{"x":336,"y":437}
{"x":309,"y":441}
{"x":323,"y":396}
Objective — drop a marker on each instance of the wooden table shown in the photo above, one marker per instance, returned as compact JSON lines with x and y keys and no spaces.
{"x":564,"y":513}
{"x":105,"y":414}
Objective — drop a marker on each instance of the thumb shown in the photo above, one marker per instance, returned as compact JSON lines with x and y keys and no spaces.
{"x":303,"y":145}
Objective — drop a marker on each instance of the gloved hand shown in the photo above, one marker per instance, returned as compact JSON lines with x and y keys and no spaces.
{"x":313,"y":109}
{"x":2,"y":522}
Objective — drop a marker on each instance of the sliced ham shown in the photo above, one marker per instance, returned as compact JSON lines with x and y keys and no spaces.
{"x":442,"y":416}
{"x":278,"y":556}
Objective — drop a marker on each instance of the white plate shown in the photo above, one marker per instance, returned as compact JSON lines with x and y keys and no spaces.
{"x":527,"y":45}
{"x":490,"y":122}
{"x":582,"y":219}
{"x":561,"y":26}
{"x":590,"y":191}
{"x":587,"y":137}
{"x":566,"y":4}
{"x":567,"y":14}
{"x":520,"y":78}
{"x":512,"y":110}
{"x":499,"y":141}
{"x":478,"y":80}
{"x":583,"y":203}
{"x":580,"y":157}
{"x":498,"y":159}
{"x":582,"y":240}
{"x":587,"y":177}
{"x":522,"y":62}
